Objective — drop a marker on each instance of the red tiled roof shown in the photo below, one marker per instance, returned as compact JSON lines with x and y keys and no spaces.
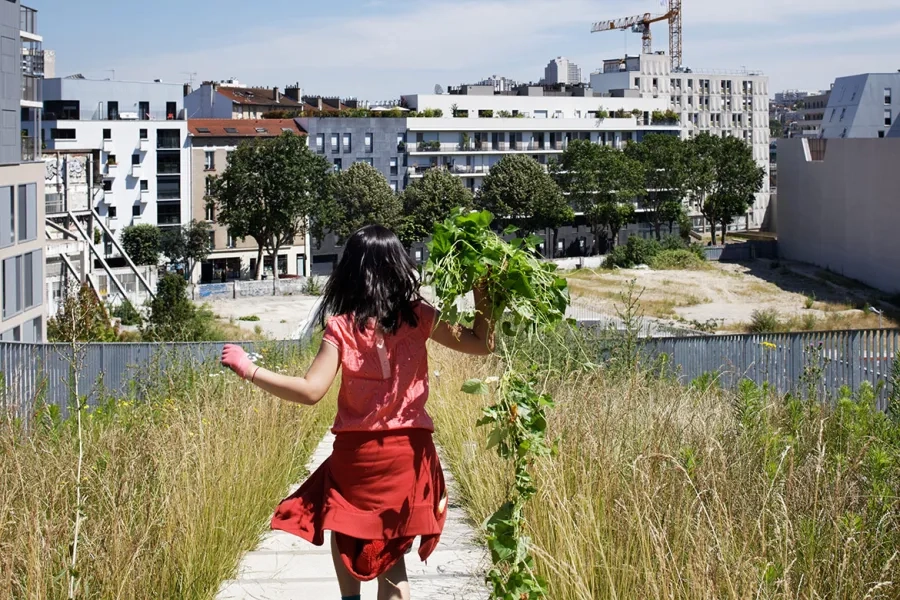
{"x":258,"y":97}
{"x":242,"y":127}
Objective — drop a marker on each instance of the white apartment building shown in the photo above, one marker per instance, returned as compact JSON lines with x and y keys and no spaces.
{"x":714,"y":101}
{"x":488,"y":127}
{"x":562,"y":70}
{"x":862,"y":106}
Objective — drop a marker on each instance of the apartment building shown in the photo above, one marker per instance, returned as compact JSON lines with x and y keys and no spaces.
{"x":137,"y":133}
{"x":862,"y":106}
{"x":231,"y":99}
{"x":478,"y":127}
{"x":812,"y":115}
{"x":23,"y":317}
{"x":718,"y":102}
{"x":562,"y":70}
{"x":211,"y":143}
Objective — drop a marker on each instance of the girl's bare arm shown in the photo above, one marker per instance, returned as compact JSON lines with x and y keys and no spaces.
{"x":477,"y":340}
{"x":308,"y":389}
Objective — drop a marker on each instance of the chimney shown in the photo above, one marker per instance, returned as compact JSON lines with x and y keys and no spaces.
{"x":277,"y":95}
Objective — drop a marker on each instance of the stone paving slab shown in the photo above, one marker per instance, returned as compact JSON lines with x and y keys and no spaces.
{"x":285,"y":567}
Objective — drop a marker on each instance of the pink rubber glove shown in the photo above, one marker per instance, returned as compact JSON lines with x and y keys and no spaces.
{"x":237,"y":360}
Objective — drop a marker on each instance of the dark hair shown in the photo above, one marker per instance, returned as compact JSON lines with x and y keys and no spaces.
{"x":375,"y":279}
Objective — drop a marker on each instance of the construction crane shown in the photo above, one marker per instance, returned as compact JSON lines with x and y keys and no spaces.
{"x":641,"y":24}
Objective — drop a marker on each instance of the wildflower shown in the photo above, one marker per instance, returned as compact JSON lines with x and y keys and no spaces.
{"x":769,"y":346}
{"x":491,"y":380}
{"x":437,"y":374}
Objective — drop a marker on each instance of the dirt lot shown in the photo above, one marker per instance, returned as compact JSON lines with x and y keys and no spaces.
{"x":279,"y":318}
{"x":724,"y":297}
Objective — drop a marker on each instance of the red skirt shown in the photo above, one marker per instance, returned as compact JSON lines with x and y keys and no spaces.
{"x":375,"y":493}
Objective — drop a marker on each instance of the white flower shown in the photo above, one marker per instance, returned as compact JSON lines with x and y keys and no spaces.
{"x":492,"y":380}
{"x":254,"y":357}
{"x":437,"y":374}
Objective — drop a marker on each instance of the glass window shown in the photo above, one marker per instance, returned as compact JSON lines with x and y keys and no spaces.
{"x":62,"y":134}
{"x":348,"y":146}
{"x":394,"y":186}
{"x":210,"y":212}
{"x":210,"y":160}
{"x":168,"y":188}
{"x":107,"y":134}
{"x":135,"y":159}
{"x":7,"y":217}
{"x":168,"y":163}
{"x":887,"y":96}
{"x":337,"y":165}
{"x":136,"y":210}
{"x":21,"y":216}
{"x":320,"y":143}
{"x":168,"y":213}
{"x":113,"y":212}
{"x":394,"y":166}
{"x":212,"y":240}
{"x":28,"y":279}
{"x":369,"y":142}
{"x":144,"y":135}
{"x":335,"y":143}
{"x":145,"y":186}
{"x":887,"y":117}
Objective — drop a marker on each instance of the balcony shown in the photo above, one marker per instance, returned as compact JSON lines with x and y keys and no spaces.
{"x":28,"y":23}
{"x":29,"y":148}
{"x":167,"y":142}
{"x":112,"y":169}
{"x":145,"y":146}
{"x":108,"y":146}
{"x":108,"y":197}
{"x":31,"y":91}
{"x":136,"y":171}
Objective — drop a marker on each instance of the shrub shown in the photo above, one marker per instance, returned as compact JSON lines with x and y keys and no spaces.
{"x":765,"y":321}
{"x":81,"y":318}
{"x":810,"y":301}
{"x":676,"y":259}
{"x":637,"y":251}
{"x":142,"y":243}
{"x":250,"y":318}
{"x":174,"y":318}
{"x":127,"y":313}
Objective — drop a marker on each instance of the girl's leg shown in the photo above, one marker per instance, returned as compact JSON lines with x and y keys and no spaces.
{"x":394,"y":585}
{"x":349,"y":585}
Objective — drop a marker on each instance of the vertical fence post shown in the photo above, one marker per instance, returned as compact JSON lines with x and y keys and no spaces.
{"x":855,"y":360}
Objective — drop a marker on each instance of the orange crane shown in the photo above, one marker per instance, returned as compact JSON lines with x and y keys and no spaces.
{"x":641,"y":24}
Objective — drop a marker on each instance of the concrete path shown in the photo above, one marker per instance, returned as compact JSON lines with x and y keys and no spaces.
{"x":285,"y":567}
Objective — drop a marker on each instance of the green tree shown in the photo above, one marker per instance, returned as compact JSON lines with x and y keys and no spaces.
{"x":187,"y":245}
{"x":173,"y":317}
{"x":665,"y":173}
{"x":602,"y":182}
{"x":520,"y":190}
{"x":430,"y":200}
{"x":776,"y":129}
{"x":81,"y":318}
{"x":141,"y":243}
{"x":701,"y":161}
{"x":363,"y":197}
{"x":738,"y":179}
{"x":273,"y":190}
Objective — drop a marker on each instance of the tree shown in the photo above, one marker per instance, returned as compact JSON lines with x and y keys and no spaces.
{"x":430,"y":200}
{"x":141,"y":243}
{"x":738,"y":179}
{"x":81,"y":318}
{"x":363,"y":197}
{"x":702,"y":157}
{"x":776,"y":128}
{"x":665,"y":177}
{"x":173,"y":317}
{"x":601,"y":181}
{"x":272,"y":191}
{"x":519,"y":189}
{"x":187,"y":245}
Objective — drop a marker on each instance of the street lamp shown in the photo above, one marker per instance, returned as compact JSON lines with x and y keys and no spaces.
{"x":880,"y":315}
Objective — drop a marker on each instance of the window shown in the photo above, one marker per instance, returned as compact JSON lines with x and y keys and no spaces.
{"x":843,"y":112}
{"x":832,"y":116}
{"x":111,"y":160}
{"x":348,"y":147}
{"x":28,"y":226}
{"x":887,"y":117}
{"x":393,"y":167}
{"x":136,"y":159}
{"x":231,"y":130}
{"x":112,"y":111}
{"x":168,"y":139}
{"x":337,"y":165}
{"x":7,"y":217}
{"x":168,"y":188}
{"x":144,"y":135}
{"x":107,"y":134}
{"x":637,"y":82}
{"x":62,"y":134}
{"x":136,"y":210}
{"x":401,"y":142}
{"x":228,"y":154}
{"x":107,"y":185}
{"x":168,"y":213}
{"x":887,"y":95}
{"x":171,"y":110}
{"x":394,"y":186}
{"x":881,"y":134}
{"x":112,"y":212}
{"x":210,"y":160}
{"x":203,"y":130}
{"x":212,"y":240}
{"x":262,"y":130}
{"x":144,"y":111}
{"x":368,"y":161}
{"x":655,"y":82}
{"x":12,"y":291}
{"x":369,"y":143}
{"x":320,"y":143}
{"x":168,"y":163}
{"x":231,"y":242}
{"x":28,"y":279}
{"x":335,"y":143}
{"x":145,"y":186}
{"x":210,"y":208}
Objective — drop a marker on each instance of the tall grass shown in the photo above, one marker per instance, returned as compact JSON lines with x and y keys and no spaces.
{"x":662,"y":491}
{"x":176,"y":487}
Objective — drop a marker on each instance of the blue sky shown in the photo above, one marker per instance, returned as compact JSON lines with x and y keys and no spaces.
{"x":376,"y":49}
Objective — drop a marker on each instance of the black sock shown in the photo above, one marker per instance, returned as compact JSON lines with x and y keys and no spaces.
{"x":356,"y":597}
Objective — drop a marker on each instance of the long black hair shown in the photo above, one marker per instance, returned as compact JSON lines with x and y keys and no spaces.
{"x":375,"y":279}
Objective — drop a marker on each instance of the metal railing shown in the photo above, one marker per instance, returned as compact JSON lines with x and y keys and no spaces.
{"x":30,"y":148}
{"x":28,"y":20}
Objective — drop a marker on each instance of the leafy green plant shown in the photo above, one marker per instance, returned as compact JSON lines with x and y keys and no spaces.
{"x":765,"y":321}
{"x":249,"y":318}
{"x":637,"y":251}
{"x":127,"y":313}
{"x":809,"y":301}
{"x":311,"y":287}
{"x":676,"y":259}
{"x":464,"y":253}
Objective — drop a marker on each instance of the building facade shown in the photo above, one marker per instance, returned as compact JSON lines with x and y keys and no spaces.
{"x":562,"y":70}
{"x":838,"y":207}
{"x":812,"y":115}
{"x":233,"y":100}
{"x":212,"y":141}
{"x":862,"y":106}
{"x":22,"y":258}
{"x":721,"y":103}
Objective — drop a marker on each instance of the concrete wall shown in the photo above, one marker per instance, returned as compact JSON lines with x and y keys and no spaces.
{"x":94,"y":95}
{"x":207,"y":103}
{"x":842,"y":213}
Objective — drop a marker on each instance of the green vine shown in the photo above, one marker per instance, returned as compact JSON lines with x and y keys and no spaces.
{"x":528,"y":296}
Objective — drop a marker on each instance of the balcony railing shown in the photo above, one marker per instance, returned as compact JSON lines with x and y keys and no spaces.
{"x":31,"y":88}
{"x":30,"y":148}
{"x":167,"y":143}
{"x":28,"y":20}
{"x":101,"y":114}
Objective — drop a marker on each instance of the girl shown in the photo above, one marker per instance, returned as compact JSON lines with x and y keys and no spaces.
{"x":382,"y":485}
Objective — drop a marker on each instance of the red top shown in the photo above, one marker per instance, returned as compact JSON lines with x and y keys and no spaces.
{"x":384,"y":384}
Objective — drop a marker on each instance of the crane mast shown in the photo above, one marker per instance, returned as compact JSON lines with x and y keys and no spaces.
{"x":641,"y":24}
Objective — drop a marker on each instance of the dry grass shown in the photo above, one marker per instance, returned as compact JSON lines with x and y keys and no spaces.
{"x":824,"y":317}
{"x":652,"y":303}
{"x":658,"y":492}
{"x":176,"y":488}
